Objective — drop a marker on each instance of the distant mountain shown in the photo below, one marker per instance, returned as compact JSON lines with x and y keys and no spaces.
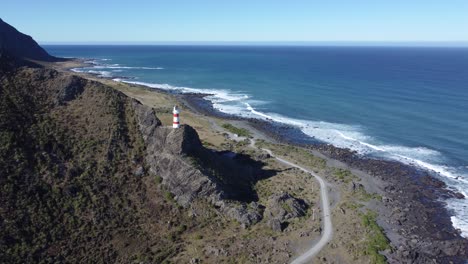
{"x":20,"y":45}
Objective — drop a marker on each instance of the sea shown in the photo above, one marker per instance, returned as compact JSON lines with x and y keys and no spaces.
{"x":408,"y":104}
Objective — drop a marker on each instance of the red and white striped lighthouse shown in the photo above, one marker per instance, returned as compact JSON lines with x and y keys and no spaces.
{"x":175,"y":113}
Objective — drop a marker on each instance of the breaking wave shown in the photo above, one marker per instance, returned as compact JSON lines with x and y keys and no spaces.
{"x":106,"y":70}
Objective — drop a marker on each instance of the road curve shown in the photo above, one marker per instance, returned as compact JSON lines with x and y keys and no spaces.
{"x":327,"y":233}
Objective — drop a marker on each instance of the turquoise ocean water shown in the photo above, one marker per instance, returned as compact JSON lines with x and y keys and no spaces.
{"x":402,"y":103}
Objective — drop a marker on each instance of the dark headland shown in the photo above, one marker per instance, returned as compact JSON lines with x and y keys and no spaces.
{"x":91,"y":171}
{"x":22,"y":46}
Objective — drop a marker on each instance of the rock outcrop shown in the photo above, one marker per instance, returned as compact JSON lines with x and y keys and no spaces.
{"x":178,"y":157}
{"x":245,"y":214}
{"x":282,"y":207}
{"x":167,"y":156}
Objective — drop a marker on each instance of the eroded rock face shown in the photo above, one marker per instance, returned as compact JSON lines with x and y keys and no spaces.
{"x":181,"y":141}
{"x":282,"y":207}
{"x":166,"y":150}
{"x":147,"y":120}
{"x":173,"y":154}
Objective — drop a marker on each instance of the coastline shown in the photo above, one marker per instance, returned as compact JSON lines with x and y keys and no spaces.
{"x":412,"y":210}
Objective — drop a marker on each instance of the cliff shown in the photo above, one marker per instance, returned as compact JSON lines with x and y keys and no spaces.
{"x":192,"y":172}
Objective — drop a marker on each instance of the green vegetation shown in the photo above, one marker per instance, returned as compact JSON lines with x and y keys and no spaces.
{"x":375,"y":238}
{"x":242,"y":132}
{"x":365,"y":196}
{"x":180,"y":229}
{"x":158,"y":179}
{"x":352,"y":205}
{"x":163,"y":110}
{"x":343,"y":175}
{"x":243,"y":143}
{"x":300,"y":155}
{"x":207,"y":144}
{"x":169,"y":196}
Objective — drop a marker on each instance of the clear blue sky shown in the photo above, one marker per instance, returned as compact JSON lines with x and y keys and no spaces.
{"x":239,"y":20}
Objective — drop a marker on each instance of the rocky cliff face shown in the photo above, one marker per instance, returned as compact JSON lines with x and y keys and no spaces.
{"x":178,"y":156}
{"x":20,"y":45}
{"x":165,"y":150}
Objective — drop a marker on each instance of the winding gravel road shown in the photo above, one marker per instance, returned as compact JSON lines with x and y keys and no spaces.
{"x":327,"y":233}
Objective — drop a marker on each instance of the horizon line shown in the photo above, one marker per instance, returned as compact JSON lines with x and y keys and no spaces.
{"x":268,"y":43}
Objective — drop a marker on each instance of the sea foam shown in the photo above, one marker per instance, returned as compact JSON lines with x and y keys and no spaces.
{"x":117,"y":66}
{"x":106,"y":69}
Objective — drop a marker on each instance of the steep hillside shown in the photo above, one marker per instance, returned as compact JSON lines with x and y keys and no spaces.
{"x":20,"y":45}
{"x":70,"y":170}
{"x":89,"y":174}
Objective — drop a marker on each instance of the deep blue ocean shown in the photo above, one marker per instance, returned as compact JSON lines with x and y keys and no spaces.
{"x":403,"y":103}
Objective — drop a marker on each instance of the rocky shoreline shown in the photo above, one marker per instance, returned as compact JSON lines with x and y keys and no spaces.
{"x":412,"y":211}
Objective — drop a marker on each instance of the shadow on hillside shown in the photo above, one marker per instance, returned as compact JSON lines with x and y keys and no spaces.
{"x":237,"y":173}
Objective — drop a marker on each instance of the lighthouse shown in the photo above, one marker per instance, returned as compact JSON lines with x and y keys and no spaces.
{"x":175,"y":113}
